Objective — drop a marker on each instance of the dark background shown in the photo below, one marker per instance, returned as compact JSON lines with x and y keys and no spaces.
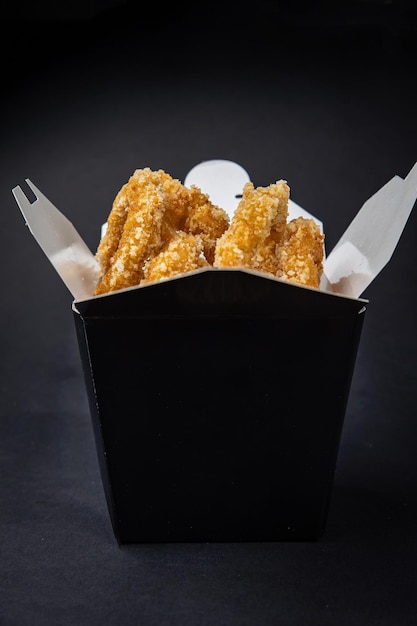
{"x":321,"y":94}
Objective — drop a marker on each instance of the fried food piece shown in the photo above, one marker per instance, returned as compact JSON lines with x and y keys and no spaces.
{"x":115,"y":224}
{"x":183,"y":253}
{"x":259,"y":219}
{"x":300,"y":252}
{"x":148,"y":212}
{"x":260,"y":238}
{"x":141,"y":234}
{"x":117,"y":218}
{"x":265,"y":260}
{"x":158,"y":228}
{"x":206,"y":220}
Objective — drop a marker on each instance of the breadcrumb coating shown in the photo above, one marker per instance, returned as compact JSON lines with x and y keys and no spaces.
{"x":300,"y":252}
{"x":206,"y":220}
{"x":158,"y":228}
{"x":261,"y":212}
{"x":148,"y":212}
{"x":140,"y":237}
{"x":115,"y":224}
{"x":183,"y":253}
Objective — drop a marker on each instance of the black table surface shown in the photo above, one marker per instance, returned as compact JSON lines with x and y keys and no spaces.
{"x":321,"y":94}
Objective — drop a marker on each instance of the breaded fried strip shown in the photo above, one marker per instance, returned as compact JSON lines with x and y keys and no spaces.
{"x":149,"y":211}
{"x":261,"y":213}
{"x":300,"y":252}
{"x":205,"y":219}
{"x":159,"y":228}
{"x":183,"y":253}
{"x":115,"y":223}
{"x":265,"y":260}
{"x":141,"y":235}
{"x":177,"y":200}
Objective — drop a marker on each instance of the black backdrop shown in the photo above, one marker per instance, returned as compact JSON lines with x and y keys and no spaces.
{"x":321,"y":94}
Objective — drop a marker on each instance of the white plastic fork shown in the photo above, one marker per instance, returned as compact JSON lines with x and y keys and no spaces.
{"x":60,"y":241}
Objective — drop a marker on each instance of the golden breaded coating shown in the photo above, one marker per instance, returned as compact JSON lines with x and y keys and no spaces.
{"x":148,"y":212}
{"x":261,"y":214}
{"x":183,"y":253}
{"x":158,"y":228}
{"x":178,"y":201}
{"x":300,"y":252}
{"x":141,"y":234}
{"x":265,"y":260}
{"x":115,"y":224}
{"x":207,"y":220}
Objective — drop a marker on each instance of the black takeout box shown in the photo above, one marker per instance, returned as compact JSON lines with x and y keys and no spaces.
{"x":217,"y":401}
{"x":218,"y":397}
